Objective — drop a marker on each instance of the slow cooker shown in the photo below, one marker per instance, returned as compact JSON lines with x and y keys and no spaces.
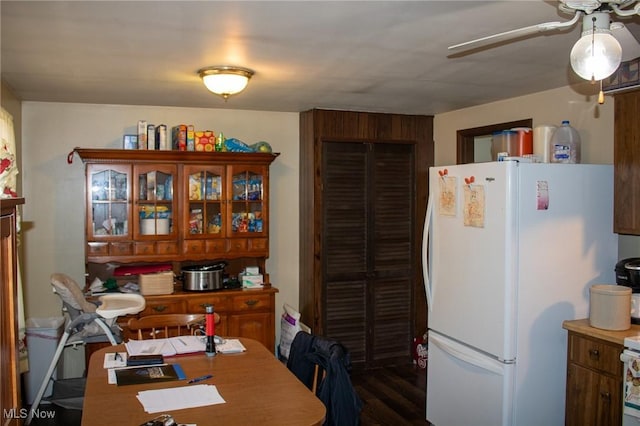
{"x":628,"y":274}
{"x":203,"y":277}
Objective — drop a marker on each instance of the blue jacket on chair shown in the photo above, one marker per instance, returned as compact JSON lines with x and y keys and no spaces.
{"x":335,"y":390}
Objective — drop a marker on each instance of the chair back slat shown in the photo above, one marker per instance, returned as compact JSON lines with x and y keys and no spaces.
{"x":168,"y":325}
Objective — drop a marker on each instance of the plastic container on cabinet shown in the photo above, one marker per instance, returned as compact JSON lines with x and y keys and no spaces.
{"x":541,"y":141}
{"x":505,"y":141}
{"x":564,"y":146}
{"x":525,"y":141}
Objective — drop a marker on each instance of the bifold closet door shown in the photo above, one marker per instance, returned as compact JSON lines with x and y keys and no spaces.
{"x":367,"y":248}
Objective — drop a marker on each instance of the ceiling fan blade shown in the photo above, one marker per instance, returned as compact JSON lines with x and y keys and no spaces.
{"x":630,"y":46}
{"x":513,"y":34}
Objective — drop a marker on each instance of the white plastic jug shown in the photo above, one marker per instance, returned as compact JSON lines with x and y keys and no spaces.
{"x":564,"y":146}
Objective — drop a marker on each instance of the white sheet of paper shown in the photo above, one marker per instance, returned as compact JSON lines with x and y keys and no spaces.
{"x":150,"y":346}
{"x":110,"y":360}
{"x":167,"y":346}
{"x":230,"y":346}
{"x":155,"y":401}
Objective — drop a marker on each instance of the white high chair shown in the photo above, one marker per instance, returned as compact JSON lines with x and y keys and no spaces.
{"x":89,"y":322}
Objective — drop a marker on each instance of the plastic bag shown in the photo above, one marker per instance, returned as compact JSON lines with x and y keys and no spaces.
{"x":290,"y":325}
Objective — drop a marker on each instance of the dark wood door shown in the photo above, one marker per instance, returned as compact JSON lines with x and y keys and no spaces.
{"x":626,"y":157}
{"x":368,"y":248}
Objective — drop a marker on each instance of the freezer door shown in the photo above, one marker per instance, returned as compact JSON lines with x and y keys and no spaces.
{"x":466,"y":387}
{"x":472,"y":257}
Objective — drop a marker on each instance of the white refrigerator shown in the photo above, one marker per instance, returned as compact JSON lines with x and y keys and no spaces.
{"x":510,"y":250}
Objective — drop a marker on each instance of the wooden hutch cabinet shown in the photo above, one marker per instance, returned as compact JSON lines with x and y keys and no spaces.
{"x":626,"y":159}
{"x":10,"y":398}
{"x":185,"y":208}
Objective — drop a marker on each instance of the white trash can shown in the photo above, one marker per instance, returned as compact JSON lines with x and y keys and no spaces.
{"x":43,"y":335}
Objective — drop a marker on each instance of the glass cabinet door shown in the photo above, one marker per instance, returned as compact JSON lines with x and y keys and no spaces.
{"x":154,"y":200}
{"x":108,"y":188}
{"x":247,"y":200}
{"x":206,"y":193}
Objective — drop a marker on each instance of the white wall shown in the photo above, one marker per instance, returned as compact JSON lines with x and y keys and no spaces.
{"x":593,"y":121}
{"x":54,"y":210}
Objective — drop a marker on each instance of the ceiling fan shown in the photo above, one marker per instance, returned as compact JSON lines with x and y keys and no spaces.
{"x":597,"y":28}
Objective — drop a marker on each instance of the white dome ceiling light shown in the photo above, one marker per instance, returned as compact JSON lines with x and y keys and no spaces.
{"x":224,"y":80}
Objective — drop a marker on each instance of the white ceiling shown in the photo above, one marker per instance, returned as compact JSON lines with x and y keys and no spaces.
{"x":388,"y":56}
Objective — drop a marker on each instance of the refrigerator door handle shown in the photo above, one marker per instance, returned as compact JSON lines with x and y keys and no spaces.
{"x":428,"y":289}
{"x":469,"y":356}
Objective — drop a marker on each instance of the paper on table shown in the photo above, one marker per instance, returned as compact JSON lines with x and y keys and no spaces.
{"x":166,"y":347}
{"x":155,"y":401}
{"x":151,"y":346}
{"x":188,"y":344}
{"x":230,"y":346}
{"x":110,"y":360}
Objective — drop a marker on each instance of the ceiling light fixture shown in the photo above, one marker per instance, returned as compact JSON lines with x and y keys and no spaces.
{"x":597,"y":54}
{"x":225,"y":80}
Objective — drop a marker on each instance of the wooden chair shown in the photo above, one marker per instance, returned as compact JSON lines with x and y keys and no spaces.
{"x":160,"y":326}
{"x":319,"y":374}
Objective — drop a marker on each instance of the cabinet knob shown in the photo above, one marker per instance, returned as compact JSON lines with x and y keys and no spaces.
{"x":159,"y":308}
{"x":606,"y":396}
{"x":251,"y":302}
{"x":594,"y":354}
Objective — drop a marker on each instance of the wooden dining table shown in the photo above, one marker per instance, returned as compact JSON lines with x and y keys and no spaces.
{"x":257,"y":389}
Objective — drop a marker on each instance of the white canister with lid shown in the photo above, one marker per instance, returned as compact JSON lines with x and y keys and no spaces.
{"x":610,"y":307}
{"x":541,"y":139}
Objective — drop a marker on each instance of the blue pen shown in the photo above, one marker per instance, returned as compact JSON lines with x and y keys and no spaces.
{"x":199,"y":379}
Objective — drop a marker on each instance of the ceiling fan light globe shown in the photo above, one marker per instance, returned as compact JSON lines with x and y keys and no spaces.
{"x":596,"y":56}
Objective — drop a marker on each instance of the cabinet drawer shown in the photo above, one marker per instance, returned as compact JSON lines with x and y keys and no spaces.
{"x":595,"y":354}
{"x":163,"y":307}
{"x":121,"y":249}
{"x":216,"y":246}
{"x":97,"y":249}
{"x":196,"y":304}
{"x":252,"y":302}
{"x":193,"y":247}
{"x":258,"y":244}
{"x":144,"y":247}
{"x":167,"y":247}
{"x":238,"y":244}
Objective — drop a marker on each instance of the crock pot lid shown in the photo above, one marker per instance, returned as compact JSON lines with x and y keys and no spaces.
{"x":204,"y":268}
{"x":634,"y":265}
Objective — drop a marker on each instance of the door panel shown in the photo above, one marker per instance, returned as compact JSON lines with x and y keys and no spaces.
{"x":368,"y":249}
{"x":467,"y":387}
{"x":473,"y":261}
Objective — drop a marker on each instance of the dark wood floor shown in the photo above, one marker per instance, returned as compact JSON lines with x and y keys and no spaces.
{"x":392,"y":395}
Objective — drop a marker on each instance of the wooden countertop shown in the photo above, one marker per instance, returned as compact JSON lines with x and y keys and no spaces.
{"x":582,"y":326}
